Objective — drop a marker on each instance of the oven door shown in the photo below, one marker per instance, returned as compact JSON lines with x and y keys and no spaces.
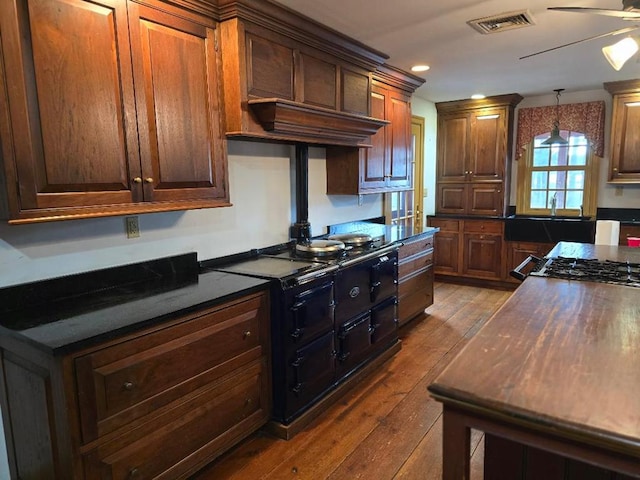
{"x":361,"y":285}
{"x":311,"y":313}
{"x":312,"y":370}
{"x":384,"y":324}
{"x":354,"y":344}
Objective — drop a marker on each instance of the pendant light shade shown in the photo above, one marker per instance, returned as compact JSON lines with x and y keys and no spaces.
{"x":555,"y":138}
{"x":618,"y":53}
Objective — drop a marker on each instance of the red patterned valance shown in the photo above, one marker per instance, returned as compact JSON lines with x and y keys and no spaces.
{"x":587,"y":118}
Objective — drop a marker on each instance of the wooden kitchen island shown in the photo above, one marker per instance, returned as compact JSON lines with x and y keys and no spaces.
{"x":553,"y":379}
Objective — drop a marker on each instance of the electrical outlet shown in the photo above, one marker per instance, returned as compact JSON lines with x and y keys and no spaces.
{"x":132,"y":227}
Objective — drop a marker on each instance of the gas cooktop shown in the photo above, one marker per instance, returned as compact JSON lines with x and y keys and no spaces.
{"x":592,"y":270}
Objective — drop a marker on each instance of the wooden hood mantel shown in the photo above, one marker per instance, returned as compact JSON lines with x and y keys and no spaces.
{"x":315,"y":124}
{"x":288,"y":78}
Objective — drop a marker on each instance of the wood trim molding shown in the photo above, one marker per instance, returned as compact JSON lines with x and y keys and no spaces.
{"x":302,"y":29}
{"x":320,"y":125}
{"x":511,"y":100}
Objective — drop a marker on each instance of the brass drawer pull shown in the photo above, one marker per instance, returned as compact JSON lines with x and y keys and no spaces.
{"x":137,"y":180}
{"x":134,"y":473}
{"x":246,"y":334}
{"x":128,"y":386}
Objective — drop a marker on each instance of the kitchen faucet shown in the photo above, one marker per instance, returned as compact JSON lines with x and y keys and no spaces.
{"x":553,"y":204}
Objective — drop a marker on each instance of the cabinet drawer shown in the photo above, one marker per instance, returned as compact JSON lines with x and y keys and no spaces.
{"x":178,"y":440}
{"x":413,"y":247}
{"x":414,"y":295}
{"x":415,"y":264}
{"x":483,"y":227}
{"x":445,"y":225}
{"x":123,"y":382}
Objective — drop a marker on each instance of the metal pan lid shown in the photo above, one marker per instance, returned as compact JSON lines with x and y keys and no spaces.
{"x":354,"y":239}
{"x":321,"y":247}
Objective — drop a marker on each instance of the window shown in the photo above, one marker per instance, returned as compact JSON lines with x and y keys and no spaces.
{"x":564,"y":172}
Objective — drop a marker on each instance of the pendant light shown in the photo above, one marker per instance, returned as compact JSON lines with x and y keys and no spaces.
{"x":555,"y":138}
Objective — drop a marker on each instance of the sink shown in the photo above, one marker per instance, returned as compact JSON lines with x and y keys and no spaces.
{"x":548,"y":229}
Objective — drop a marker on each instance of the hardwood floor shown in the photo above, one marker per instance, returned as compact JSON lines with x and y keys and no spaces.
{"x":387,"y":427}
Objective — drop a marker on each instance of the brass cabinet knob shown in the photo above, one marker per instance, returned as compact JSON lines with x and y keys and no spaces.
{"x":134,"y":473}
{"x":128,"y":386}
{"x":615,"y":169}
{"x":246,"y":334}
{"x":148,"y":180}
{"x":137,"y":180}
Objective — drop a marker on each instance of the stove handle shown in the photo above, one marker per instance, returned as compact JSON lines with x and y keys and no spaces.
{"x":299,"y":310}
{"x":375,"y":281}
{"x":516,"y":272}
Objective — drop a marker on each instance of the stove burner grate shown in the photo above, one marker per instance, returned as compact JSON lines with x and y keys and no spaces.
{"x":622,"y":273}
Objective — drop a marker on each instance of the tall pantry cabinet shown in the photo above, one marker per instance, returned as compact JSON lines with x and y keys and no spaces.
{"x":109,"y":107}
{"x":474,"y":144}
{"x":472,"y":186}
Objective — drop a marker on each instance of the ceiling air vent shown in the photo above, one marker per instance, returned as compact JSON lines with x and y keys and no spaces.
{"x":502,"y":22}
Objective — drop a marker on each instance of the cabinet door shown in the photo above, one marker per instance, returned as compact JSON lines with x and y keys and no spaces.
{"x":175,"y":69}
{"x":399,"y":170}
{"x":488,"y":144}
{"x":446,"y":253}
{"x":452,"y":198}
{"x":482,"y":255}
{"x":71,"y":104}
{"x":373,"y":160}
{"x":625,"y":141}
{"x":485,"y":199}
{"x":453,"y":147}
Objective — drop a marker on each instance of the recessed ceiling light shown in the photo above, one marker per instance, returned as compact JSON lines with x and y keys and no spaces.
{"x":478,"y":96}
{"x":420,"y":68}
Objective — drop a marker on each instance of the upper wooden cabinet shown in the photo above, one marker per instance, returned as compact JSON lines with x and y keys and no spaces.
{"x":473,"y":151}
{"x":387,"y":165}
{"x":624,"y":165}
{"x":290,"y":79}
{"x":109,"y":107}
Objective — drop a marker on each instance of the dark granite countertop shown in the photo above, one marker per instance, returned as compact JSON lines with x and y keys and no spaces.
{"x":390,"y":233}
{"x":72,"y":319}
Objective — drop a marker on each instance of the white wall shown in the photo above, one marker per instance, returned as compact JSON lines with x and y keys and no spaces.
{"x":609,"y":195}
{"x":262,"y":193}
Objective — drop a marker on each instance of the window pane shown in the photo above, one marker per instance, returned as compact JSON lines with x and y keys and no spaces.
{"x":574,"y":199}
{"x":555,"y":154}
{"x":575,"y":179}
{"x":541,"y":157}
{"x":539,"y":180}
{"x":557,"y":179}
{"x":578,"y":155}
{"x":538,"y":199}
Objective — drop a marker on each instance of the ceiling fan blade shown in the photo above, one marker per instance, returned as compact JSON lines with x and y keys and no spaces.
{"x":615,"y":32}
{"x":599,"y":11}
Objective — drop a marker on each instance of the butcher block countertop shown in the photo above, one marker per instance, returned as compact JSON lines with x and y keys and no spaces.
{"x":559,"y":356}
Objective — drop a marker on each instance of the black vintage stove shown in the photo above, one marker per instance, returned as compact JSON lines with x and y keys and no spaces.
{"x":333,"y":308}
{"x":592,"y":270}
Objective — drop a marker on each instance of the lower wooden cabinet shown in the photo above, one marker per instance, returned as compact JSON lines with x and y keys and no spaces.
{"x":415,"y":277}
{"x":468,"y":248}
{"x":158,"y":403}
{"x":518,"y":252}
{"x":627,"y":231}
